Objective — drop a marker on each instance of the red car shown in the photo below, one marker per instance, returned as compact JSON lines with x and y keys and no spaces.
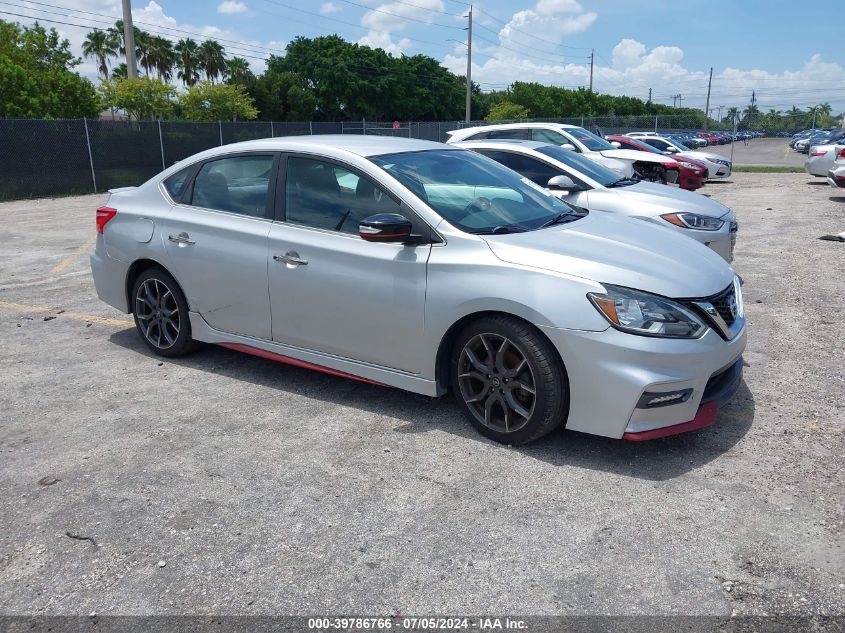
{"x":692,"y":173}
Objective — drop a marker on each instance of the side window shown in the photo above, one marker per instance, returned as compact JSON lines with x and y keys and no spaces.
{"x":548,"y":136}
{"x":656,"y":142}
{"x":175,"y":184}
{"x":536,"y":171}
{"x":476,"y":136}
{"x":238,"y":184}
{"x":523,"y":134}
{"x":326,"y":196}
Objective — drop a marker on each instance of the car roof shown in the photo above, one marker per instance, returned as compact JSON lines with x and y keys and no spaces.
{"x":510,"y":126}
{"x":502,"y":143}
{"x":362,"y":145}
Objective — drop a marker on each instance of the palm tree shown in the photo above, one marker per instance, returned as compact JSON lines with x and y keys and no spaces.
{"x":732,"y":115}
{"x":238,"y":71}
{"x":211,"y":58}
{"x":101,"y":46}
{"x":143,"y":50}
{"x":119,"y":71}
{"x":163,"y":57}
{"x":187,"y":61}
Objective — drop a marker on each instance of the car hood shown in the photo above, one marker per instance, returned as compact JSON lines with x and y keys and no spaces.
{"x":623,"y":251}
{"x":702,"y":156}
{"x":633,"y":154}
{"x":673,"y":198}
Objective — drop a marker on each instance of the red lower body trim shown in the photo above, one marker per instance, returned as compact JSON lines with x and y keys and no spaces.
{"x":247,"y":349}
{"x":705,"y":416}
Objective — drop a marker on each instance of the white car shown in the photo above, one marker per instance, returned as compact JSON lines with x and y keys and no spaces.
{"x":586,"y":184}
{"x":718,"y":166}
{"x":645,"y":165}
{"x":836,"y":175}
{"x":820,"y":159}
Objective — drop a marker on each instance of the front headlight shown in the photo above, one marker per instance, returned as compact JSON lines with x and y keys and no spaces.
{"x":694,"y":221}
{"x":689,"y":166}
{"x":638,"y":312}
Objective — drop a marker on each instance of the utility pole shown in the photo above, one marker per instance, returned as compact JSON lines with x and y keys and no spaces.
{"x":469,"y":67}
{"x":720,"y":113}
{"x":679,"y":101}
{"x":592,"y":59}
{"x":129,"y":40}
{"x":649,"y":95}
{"x":707,"y":104}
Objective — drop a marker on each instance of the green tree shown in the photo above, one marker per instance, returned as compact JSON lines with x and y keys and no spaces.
{"x":505,"y":111}
{"x":186,"y":61}
{"x":217,"y":102}
{"x":120,"y":71}
{"x":239,"y":72}
{"x":141,"y":97}
{"x":37,"y":78}
{"x":100,"y":46}
{"x":211,"y":58}
{"x":283,"y":96}
{"x":163,"y":57}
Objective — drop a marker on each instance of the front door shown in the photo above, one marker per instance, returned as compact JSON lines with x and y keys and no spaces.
{"x":333,"y":292}
{"x":217,"y":243}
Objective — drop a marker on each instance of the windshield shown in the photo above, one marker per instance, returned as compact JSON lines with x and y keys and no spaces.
{"x":593,"y":142}
{"x":472,"y":192}
{"x":585,"y":166}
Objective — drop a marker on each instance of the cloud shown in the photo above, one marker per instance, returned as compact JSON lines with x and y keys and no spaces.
{"x":327,"y":8}
{"x":634,"y":69}
{"x":233,"y":7}
{"x":383,"y":40}
{"x":546,"y":24}
{"x":396,"y":16}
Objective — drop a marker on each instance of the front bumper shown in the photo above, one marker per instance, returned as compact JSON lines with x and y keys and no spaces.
{"x":609,"y":372}
{"x":718,"y":170}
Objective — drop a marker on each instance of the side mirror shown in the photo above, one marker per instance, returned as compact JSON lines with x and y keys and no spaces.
{"x":385,"y":227}
{"x":562,"y":183}
{"x":616,"y":144}
{"x":568,"y":146}
{"x":672,"y":150}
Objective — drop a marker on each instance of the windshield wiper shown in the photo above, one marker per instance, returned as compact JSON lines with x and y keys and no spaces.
{"x":623,"y":182}
{"x":503,"y":229}
{"x":560,"y":217}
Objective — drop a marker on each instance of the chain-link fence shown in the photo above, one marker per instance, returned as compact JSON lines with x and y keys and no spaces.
{"x":41,"y":158}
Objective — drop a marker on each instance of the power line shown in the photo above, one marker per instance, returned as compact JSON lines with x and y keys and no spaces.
{"x":403,"y":17}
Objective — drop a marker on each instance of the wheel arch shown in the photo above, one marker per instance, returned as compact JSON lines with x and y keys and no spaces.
{"x":135,"y":269}
{"x":444,"y":349}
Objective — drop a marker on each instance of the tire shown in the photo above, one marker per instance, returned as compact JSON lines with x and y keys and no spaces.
{"x":161,"y":314}
{"x":505,"y":354}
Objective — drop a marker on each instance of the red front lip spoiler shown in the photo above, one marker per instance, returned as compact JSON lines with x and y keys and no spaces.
{"x":705,"y":416}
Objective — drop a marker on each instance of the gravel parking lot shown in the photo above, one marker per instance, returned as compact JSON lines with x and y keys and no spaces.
{"x":772,"y":152}
{"x":227,"y":484}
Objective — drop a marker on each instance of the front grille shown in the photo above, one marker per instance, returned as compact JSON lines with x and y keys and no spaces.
{"x":722,"y":302}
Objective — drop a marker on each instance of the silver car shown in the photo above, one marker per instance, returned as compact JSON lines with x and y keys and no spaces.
{"x":836,"y":173}
{"x":433,"y":269}
{"x":820,"y":159}
{"x":583,"y":183}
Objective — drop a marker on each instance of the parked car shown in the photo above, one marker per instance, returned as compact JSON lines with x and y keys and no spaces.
{"x":692,"y":174}
{"x":690,"y":140}
{"x":429,"y":268}
{"x":717,"y":166}
{"x":631,"y":163}
{"x":820,"y":157}
{"x":836,"y":175}
{"x":588,"y":185}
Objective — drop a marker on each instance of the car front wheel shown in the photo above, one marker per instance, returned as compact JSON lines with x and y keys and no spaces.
{"x":508,"y":380}
{"x":161,"y":313}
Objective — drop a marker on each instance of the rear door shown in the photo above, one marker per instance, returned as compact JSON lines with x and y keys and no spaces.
{"x":330,"y":290}
{"x":216,"y":241}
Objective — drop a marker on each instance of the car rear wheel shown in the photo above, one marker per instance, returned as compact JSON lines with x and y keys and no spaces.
{"x":508,"y":380}
{"x":161,"y":313}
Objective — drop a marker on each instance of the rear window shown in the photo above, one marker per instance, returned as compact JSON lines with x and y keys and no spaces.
{"x":175,"y":184}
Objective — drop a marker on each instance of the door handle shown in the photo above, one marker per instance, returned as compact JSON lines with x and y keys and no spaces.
{"x":182,"y":238}
{"x":292,"y":258}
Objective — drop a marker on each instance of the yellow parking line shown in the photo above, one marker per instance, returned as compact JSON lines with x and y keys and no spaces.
{"x":69,"y":259}
{"x":78,"y":316}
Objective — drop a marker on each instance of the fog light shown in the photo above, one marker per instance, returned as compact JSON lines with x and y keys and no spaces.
{"x":651,"y":399}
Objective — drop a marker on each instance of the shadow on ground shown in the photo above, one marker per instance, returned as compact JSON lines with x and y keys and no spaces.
{"x":656,"y":460}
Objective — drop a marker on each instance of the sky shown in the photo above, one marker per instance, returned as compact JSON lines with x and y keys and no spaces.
{"x":668,"y":46}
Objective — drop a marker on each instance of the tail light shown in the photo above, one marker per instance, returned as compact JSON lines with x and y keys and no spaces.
{"x":104,"y":214}
{"x":817,"y":153}
{"x":841,"y":153}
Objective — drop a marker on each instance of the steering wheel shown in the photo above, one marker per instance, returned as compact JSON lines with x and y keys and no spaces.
{"x":481,"y":204}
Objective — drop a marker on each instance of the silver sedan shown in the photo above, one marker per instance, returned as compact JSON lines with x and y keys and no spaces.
{"x":433,"y":269}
